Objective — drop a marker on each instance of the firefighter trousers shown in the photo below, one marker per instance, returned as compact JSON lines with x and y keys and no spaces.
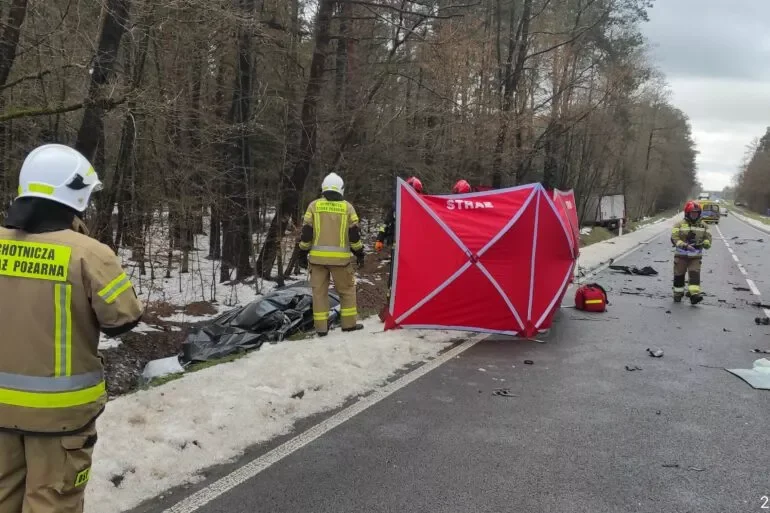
{"x":690,"y":267}
{"x":345,"y":282}
{"x":45,"y":474}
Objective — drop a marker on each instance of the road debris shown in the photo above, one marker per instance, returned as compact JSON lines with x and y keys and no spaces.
{"x":528,"y":362}
{"x":757,"y":377}
{"x":763,"y":351}
{"x":633,"y":368}
{"x":503,"y":392}
{"x":671,"y":465}
{"x":742,"y":289}
{"x":298,"y":395}
{"x":762,"y":320}
{"x":726,"y":330}
{"x":644,"y":271}
{"x":657,"y":353}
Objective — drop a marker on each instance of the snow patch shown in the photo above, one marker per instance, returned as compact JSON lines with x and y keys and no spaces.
{"x":164,"y":437}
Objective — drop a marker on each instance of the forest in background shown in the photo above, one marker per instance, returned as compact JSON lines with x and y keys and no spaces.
{"x":752,"y":186}
{"x":224,"y":115}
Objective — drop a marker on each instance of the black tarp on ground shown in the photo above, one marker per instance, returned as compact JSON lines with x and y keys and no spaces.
{"x":271,"y":318}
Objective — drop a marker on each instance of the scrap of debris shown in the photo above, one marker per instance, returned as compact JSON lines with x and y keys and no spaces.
{"x":763,"y":351}
{"x":633,"y":368}
{"x":742,"y":289}
{"x":762,"y":321}
{"x":657,"y":353}
{"x":633,"y":270}
{"x":504,"y":392}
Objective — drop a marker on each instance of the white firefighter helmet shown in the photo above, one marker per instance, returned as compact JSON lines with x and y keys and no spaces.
{"x":58,"y":173}
{"x":333,"y":182}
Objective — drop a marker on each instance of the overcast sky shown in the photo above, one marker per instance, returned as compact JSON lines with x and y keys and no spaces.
{"x":716,"y":57}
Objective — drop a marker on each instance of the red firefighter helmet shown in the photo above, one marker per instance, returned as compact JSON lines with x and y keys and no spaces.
{"x":692,"y":206}
{"x":461,"y":187}
{"x":415,"y":183}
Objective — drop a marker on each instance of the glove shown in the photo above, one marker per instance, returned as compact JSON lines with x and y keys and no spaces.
{"x":360,"y":258}
{"x":378,"y":246}
{"x":302,"y":259}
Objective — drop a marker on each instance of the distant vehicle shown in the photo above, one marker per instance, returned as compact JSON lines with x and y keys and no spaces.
{"x":724,"y":211}
{"x":739,"y":204}
{"x":704,"y":196}
{"x":711,"y":211}
{"x":607,"y":211}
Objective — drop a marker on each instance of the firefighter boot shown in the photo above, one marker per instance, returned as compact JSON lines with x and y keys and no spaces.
{"x":678,"y":288}
{"x":696,"y":296}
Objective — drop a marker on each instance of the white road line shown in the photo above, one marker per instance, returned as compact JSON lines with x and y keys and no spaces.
{"x":250,"y":470}
{"x":753,"y":287}
{"x":750,"y":282}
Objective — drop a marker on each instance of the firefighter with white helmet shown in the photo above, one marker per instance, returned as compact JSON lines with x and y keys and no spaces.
{"x":60,"y":289}
{"x":329,"y":234}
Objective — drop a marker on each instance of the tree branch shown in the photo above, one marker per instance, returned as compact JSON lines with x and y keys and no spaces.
{"x":38,"y":76}
{"x":60,"y":109}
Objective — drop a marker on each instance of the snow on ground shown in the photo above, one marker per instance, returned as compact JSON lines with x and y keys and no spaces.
{"x":586,"y":230}
{"x":594,"y":255}
{"x":756,"y":223}
{"x":163,"y":437}
{"x":201,"y":283}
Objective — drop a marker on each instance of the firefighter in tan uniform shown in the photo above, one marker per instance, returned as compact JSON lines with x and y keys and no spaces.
{"x":59,"y":289}
{"x":329,"y":234}
{"x":689,"y":238}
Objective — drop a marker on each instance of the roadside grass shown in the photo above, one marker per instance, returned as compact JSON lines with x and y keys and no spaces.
{"x":749,"y":213}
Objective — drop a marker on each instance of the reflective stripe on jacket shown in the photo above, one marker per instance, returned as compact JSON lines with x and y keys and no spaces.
{"x":59,"y":289}
{"x":331,"y":221}
{"x":695,"y":234}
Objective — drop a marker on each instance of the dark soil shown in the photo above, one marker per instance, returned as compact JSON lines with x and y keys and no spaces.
{"x":124,"y":364}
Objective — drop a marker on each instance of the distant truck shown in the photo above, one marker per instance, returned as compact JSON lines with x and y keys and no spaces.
{"x":704,"y":196}
{"x":711,"y":211}
{"x":607,"y":211}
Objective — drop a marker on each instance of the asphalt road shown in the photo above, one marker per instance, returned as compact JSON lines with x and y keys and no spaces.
{"x":581,"y":434}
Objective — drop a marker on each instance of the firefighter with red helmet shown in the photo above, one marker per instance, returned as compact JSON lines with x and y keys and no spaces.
{"x":387,"y":230}
{"x":689,"y":237}
{"x":461,"y":187}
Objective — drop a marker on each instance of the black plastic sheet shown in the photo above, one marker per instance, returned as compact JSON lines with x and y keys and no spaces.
{"x":271,"y":318}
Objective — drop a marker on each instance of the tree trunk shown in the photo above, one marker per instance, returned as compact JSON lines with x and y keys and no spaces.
{"x":10,"y":30}
{"x":292,"y":184}
{"x":237,"y":183}
{"x":113,"y":27}
{"x":514,"y":69}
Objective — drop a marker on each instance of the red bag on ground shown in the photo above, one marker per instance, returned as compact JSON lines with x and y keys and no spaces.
{"x":591,"y":297}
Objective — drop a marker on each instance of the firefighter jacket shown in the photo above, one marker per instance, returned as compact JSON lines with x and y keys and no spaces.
{"x":330,"y":232}
{"x":690,"y":233}
{"x":387,"y":230}
{"x":59,"y":289}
